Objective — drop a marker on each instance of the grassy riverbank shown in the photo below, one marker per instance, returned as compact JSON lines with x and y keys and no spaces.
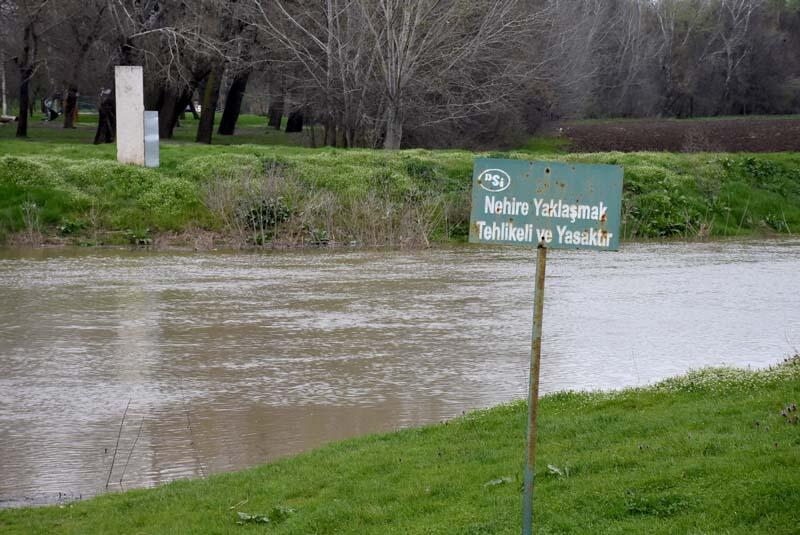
{"x":709,"y":452}
{"x":257,"y":195}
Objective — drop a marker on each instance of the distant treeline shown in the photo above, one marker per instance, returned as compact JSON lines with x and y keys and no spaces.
{"x":395,"y":73}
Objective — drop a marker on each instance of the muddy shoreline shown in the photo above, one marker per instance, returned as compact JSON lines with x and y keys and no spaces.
{"x":202,"y":241}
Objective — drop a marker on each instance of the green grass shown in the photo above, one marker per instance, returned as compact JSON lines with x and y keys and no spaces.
{"x":250,"y":129}
{"x":545,"y":145}
{"x":76,"y":190}
{"x":708,"y":452}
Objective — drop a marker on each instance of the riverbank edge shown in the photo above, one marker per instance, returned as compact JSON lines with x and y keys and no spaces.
{"x":731,"y":430}
{"x":247,"y":197}
{"x":200,"y":240}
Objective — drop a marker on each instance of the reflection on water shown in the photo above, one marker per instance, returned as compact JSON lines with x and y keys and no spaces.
{"x":230,"y":360}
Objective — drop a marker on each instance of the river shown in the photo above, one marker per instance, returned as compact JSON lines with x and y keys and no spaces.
{"x":229,"y":360}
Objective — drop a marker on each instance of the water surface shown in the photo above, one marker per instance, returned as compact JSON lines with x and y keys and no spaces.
{"x":230,"y":360}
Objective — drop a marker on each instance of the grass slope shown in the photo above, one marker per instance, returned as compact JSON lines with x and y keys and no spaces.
{"x":77,"y":190}
{"x":709,"y":452}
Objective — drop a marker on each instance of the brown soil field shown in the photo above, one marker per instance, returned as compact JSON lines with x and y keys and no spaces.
{"x":760,"y":134}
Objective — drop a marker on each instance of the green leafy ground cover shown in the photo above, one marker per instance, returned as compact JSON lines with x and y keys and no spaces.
{"x":713,"y":451}
{"x":53,"y":188}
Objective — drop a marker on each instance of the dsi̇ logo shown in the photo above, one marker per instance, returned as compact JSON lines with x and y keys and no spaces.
{"x":494,"y":180}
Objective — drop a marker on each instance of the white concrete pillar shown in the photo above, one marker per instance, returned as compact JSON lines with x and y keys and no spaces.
{"x":129,"y":85}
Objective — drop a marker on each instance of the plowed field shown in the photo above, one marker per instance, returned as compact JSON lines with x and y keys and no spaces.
{"x":760,"y":134}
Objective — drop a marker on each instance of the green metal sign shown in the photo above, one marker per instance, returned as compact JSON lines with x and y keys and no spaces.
{"x":554,"y":204}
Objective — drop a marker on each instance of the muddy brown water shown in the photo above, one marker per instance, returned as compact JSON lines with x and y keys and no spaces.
{"x":230,"y":360}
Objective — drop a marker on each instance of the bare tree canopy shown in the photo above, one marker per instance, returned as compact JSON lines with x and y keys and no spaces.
{"x":394,"y":73}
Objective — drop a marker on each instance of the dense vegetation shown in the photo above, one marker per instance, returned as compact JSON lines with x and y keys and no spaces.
{"x":248,"y":195}
{"x":715,"y":451}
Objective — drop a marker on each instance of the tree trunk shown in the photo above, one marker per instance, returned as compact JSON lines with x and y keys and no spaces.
{"x":172,"y":105}
{"x":205,"y":129}
{"x":195,"y":116}
{"x":233,"y":104}
{"x":349,"y":137}
{"x":126,"y":52}
{"x":180,"y":109}
{"x":394,"y":128}
{"x":3,"y":80}
{"x":70,"y":107}
{"x":25,"y":74}
{"x":167,"y":113}
{"x":295,"y":122}
{"x":330,"y":133}
{"x":275,"y":113}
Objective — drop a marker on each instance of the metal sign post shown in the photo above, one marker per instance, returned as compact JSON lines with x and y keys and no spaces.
{"x":550,"y":205}
{"x":533,"y":389}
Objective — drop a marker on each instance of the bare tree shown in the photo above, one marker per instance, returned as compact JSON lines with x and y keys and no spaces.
{"x":733,"y":34}
{"x":3,"y":85}
{"x":634,"y":54}
{"x":326,"y":43}
{"x":29,"y":16}
{"x":82,"y":26}
{"x":182,"y":46}
{"x":373,"y":61}
{"x":419,"y":39}
{"x":241,"y":42}
{"x":411,"y":72}
{"x":5,"y":22}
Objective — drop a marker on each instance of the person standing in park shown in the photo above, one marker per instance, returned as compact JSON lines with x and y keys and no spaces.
{"x":107,"y":121}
